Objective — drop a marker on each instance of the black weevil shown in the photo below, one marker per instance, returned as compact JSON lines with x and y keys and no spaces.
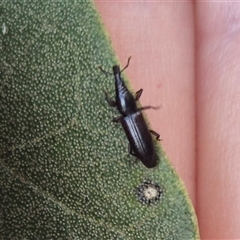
{"x":139,"y":137}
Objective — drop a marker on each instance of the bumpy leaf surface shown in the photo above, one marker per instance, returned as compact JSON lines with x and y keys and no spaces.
{"x":65,"y":172}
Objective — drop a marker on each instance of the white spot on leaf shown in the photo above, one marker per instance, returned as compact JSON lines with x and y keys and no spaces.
{"x":4,"y":28}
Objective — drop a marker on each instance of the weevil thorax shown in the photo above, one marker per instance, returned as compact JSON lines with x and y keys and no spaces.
{"x":126,"y":104}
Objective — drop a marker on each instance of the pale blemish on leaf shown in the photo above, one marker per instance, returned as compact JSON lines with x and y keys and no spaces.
{"x":149,"y":192}
{"x":4,"y":28}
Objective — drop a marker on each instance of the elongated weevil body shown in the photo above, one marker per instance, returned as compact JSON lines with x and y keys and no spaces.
{"x":140,"y":141}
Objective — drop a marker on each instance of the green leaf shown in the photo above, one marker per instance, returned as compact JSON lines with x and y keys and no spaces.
{"x":65,"y":171}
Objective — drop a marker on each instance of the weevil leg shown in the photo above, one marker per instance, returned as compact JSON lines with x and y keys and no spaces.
{"x":117,"y":119}
{"x":157,"y":135}
{"x":109,"y":100}
{"x":130,"y":151}
{"x":127,"y":64}
{"x":148,"y":107}
{"x":138,"y":94}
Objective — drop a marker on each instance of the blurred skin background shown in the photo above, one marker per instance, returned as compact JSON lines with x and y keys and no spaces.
{"x":186,"y":57}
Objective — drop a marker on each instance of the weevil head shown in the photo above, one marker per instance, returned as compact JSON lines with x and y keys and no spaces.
{"x":116,"y":70}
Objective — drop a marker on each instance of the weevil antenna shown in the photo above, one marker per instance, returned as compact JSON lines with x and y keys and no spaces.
{"x":104,"y":70}
{"x":127,"y":64}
